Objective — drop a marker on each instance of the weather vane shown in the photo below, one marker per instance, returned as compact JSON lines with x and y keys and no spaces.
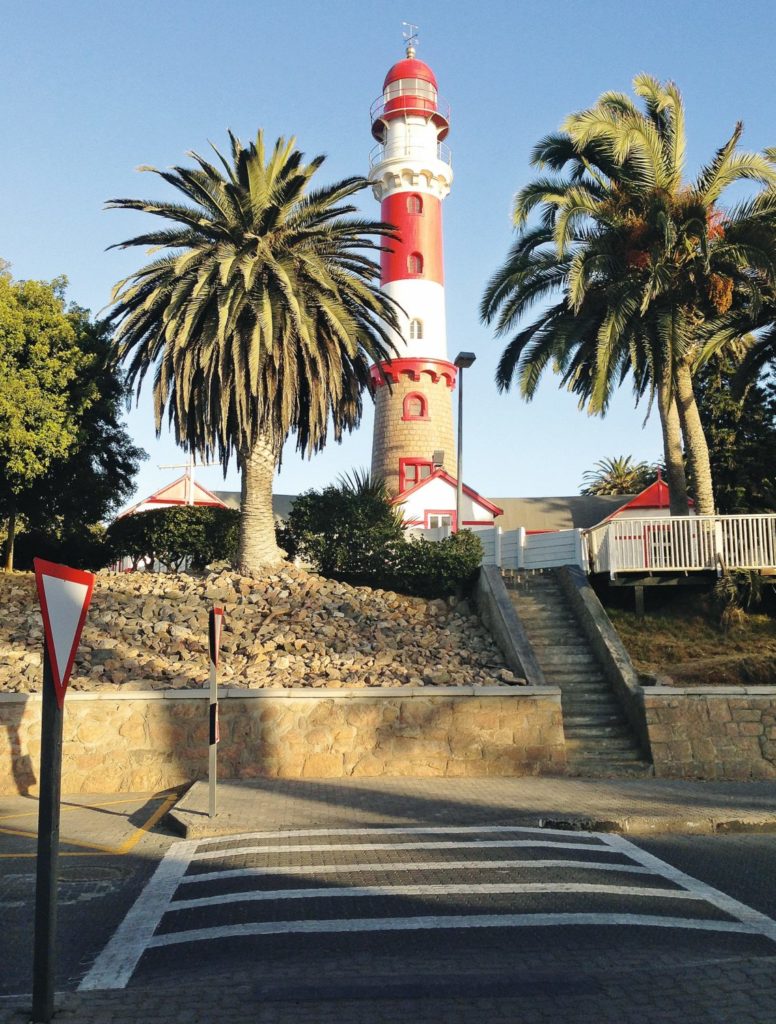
{"x":410,"y":34}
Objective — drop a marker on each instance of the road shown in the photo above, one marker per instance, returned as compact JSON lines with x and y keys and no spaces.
{"x":423,"y":923}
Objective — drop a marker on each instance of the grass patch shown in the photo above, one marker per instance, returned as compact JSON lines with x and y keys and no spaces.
{"x":681,"y":637}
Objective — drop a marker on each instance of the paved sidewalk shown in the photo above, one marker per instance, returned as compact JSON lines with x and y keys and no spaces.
{"x":635,"y":806}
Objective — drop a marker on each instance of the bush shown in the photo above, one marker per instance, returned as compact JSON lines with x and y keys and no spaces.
{"x":740,"y":591}
{"x":339,"y":530}
{"x":429,"y":568}
{"x":352,"y":533}
{"x":174,"y":536}
{"x":82,"y":549}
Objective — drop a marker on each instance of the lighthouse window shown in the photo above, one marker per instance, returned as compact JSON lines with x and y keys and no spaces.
{"x":414,"y":407}
{"x":416,"y":329}
{"x":415,"y":263}
{"x":414,"y":204}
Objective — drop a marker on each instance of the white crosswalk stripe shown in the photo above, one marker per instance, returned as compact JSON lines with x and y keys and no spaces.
{"x":191,"y":899}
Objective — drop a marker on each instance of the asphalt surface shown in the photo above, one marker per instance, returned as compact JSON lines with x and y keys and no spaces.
{"x":109,"y":848}
{"x":394,"y":908}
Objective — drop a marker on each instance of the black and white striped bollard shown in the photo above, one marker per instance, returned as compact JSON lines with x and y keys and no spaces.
{"x":216,"y":622}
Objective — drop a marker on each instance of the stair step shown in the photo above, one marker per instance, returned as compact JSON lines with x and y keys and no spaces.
{"x":578,"y":677}
{"x":544,"y":617}
{"x":561,"y":642}
{"x":596,"y":731}
{"x":543,"y":627}
{"x":581,"y":721}
{"x":587,"y":704}
{"x":568,"y":664}
{"x":631,"y":769}
{"x":575,"y":670}
{"x":589,"y":756}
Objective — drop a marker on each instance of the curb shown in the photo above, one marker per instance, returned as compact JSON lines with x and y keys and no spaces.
{"x":195,"y":824}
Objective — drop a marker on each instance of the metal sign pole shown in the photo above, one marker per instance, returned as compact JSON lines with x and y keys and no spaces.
{"x":44,"y":957}
{"x":64,"y":596}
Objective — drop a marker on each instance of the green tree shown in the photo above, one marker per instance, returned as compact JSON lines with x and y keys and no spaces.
{"x":39,"y":359}
{"x":741,"y":430}
{"x":642,"y":260}
{"x":619,"y":475}
{"x":95,"y":477}
{"x":260,"y":319}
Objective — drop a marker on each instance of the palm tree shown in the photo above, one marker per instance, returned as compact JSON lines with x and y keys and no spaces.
{"x":748,"y":329}
{"x":260,"y":319}
{"x":642,"y":260}
{"x":619,"y":475}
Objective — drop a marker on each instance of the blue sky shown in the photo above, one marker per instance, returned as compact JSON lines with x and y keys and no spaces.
{"x":91,"y":90}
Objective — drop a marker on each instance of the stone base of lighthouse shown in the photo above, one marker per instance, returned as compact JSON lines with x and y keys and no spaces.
{"x":413,"y":420}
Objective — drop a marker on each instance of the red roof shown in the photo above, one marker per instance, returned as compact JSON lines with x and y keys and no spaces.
{"x":441,"y":474}
{"x":176,"y":493}
{"x":654,"y":496}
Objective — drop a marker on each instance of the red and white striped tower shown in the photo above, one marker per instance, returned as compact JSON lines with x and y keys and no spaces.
{"x":410,"y":174}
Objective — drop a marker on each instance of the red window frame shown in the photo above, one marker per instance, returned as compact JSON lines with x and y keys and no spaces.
{"x":404,"y":483}
{"x":414,"y":205}
{"x":406,"y":414}
{"x":450,"y":512}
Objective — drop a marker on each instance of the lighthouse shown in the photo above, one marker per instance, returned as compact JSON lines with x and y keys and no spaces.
{"x":411,"y":175}
{"x":413,"y":445}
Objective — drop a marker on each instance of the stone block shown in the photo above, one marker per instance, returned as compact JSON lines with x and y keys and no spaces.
{"x":322,"y":766}
{"x":746,"y":714}
{"x":719,"y":711}
{"x":751,"y":728}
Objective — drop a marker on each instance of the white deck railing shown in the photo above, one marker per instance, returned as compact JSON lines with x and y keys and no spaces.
{"x":683,"y":544}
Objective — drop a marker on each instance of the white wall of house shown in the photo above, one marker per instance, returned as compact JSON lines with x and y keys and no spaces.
{"x":434,"y":503}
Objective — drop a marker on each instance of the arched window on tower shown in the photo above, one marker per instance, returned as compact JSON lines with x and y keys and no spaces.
{"x":416,"y":329}
{"x":414,"y":407}
{"x":414,"y":204}
{"x":415,"y":263}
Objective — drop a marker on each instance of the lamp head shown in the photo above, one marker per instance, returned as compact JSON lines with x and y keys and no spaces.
{"x":464,"y":360}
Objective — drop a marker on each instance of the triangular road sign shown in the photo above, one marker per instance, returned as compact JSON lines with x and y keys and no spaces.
{"x":64,"y":596}
{"x":216,"y":625}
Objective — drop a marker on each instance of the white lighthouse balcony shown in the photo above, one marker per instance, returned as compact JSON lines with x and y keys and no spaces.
{"x":380,"y":154}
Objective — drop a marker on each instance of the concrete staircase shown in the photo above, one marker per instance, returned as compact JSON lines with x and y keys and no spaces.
{"x":599,"y":740}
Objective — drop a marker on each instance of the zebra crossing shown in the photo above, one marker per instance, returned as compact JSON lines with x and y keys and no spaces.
{"x":353,"y":882}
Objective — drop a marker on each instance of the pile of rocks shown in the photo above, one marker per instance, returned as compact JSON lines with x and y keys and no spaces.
{"x":292,"y":628}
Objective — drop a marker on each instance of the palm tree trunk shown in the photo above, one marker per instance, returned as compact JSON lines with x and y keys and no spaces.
{"x":694,"y":441}
{"x":9,"y":544}
{"x":672,"y":448}
{"x":258,"y":548}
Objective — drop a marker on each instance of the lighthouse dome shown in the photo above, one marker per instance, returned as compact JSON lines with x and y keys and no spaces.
{"x":409,"y":89}
{"x":408,"y":68}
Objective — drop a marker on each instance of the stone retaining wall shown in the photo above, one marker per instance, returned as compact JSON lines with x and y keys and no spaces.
{"x":714,"y":732}
{"x":150,"y":741}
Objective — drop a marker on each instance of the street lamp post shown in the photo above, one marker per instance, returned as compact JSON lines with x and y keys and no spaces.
{"x":463,"y":361}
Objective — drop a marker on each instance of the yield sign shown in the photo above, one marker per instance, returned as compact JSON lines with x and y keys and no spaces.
{"x":64,"y":596}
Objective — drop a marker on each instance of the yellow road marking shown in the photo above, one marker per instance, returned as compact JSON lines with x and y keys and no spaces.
{"x":81,"y":807}
{"x":147,"y":825}
{"x":96,"y":849}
